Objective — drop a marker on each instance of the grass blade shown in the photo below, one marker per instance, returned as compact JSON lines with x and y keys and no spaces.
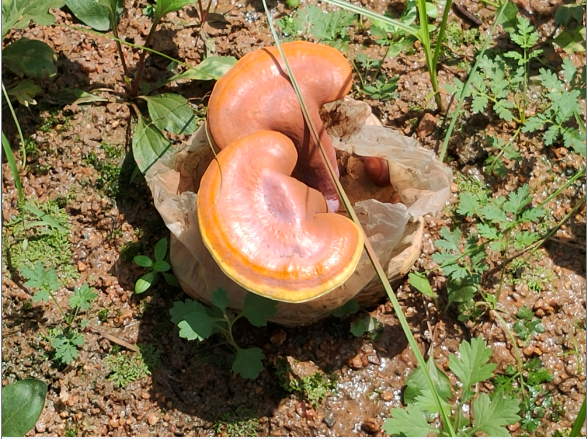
{"x":44,"y":217}
{"x":370,"y":252}
{"x":578,"y":424}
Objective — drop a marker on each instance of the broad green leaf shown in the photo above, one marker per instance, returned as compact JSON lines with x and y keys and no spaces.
{"x":171,"y":280}
{"x":248,"y":362}
{"x":416,"y":384}
{"x":420,"y":282}
{"x":164,"y":7}
{"x":171,"y":112}
{"x":257,"y":309}
{"x":509,"y":17}
{"x":213,"y":67}
{"x":490,"y":416}
{"x":566,"y":14}
{"x":143,"y":261}
{"x":24,"y":92}
{"x":351,"y":307}
{"x":22,"y":404}
{"x":96,"y":13}
{"x":192,"y":319}
{"x":427,"y":403}
{"x":410,"y":422}
{"x":160,"y":249}
{"x":36,"y":277}
{"x":32,"y":58}
{"x":19,"y":13}
{"x":148,"y":144}
{"x":571,"y":40}
{"x":65,"y":349}
{"x":145,"y":282}
{"x":161,"y":266}
{"x":220,"y":299}
{"x":472,"y":365}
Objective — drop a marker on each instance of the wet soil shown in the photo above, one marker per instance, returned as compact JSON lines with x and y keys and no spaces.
{"x":192,"y":391}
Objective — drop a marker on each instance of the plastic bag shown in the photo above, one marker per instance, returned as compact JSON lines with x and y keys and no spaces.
{"x":394,"y":229}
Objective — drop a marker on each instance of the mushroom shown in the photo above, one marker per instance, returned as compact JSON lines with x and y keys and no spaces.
{"x":269,"y":232}
{"x":256,"y":94}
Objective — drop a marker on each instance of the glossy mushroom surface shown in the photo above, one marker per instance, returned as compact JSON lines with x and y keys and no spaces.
{"x":269,"y":232}
{"x":256,"y":95}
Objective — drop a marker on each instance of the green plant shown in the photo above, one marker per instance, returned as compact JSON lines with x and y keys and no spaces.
{"x":159,"y":267}
{"x":488,"y":414}
{"x":569,"y":19}
{"x":527,"y":386}
{"x":312,"y":388}
{"x":66,"y":341}
{"x":109,"y":169}
{"x":242,"y":422}
{"x":22,"y":405}
{"x":151,"y":355}
{"x":359,"y":325}
{"x":127,"y":368}
{"x":198,"y":322}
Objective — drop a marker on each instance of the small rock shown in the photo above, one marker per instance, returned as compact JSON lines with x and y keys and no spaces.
{"x":513,"y":427}
{"x":278,"y":337}
{"x":329,"y":420}
{"x":152,"y":418}
{"x":82,"y":266}
{"x":113,"y":423}
{"x":426,"y":125}
{"x":356,"y":362}
{"x":64,"y":414}
{"x":40,"y":427}
{"x":387,"y":396}
{"x":371,"y":425}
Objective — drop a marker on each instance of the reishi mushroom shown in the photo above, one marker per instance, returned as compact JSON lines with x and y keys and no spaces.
{"x":269,"y":232}
{"x":256,"y":95}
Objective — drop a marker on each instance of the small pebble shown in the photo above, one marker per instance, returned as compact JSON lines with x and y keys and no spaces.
{"x":152,"y":418}
{"x":329,"y":420}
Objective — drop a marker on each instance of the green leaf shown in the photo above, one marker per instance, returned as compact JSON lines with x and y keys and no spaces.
{"x":161,"y":266}
{"x":41,"y":296}
{"x":83,"y":297}
{"x":571,"y":40}
{"x":420,"y":282}
{"x":36,"y":277}
{"x":171,"y":112}
{"x":220,"y":299}
{"x":426,"y":402}
{"x":66,"y":350}
{"x":143,"y":261}
{"x":468,"y":204}
{"x":24,"y":92}
{"x":48,"y":220}
{"x":22,"y":405}
{"x":471,"y":367}
{"x":257,"y":309}
{"x":518,"y":199}
{"x":212,"y":68}
{"x":32,"y":58}
{"x":13,"y":166}
{"x":351,"y":307}
{"x":487,"y":231}
{"x":450,"y":241}
{"x":410,"y":422}
{"x":145,"y":282}
{"x":509,"y":17}
{"x":416,"y":384}
{"x":19,"y":13}
{"x":490,"y":416}
{"x":248,"y":363}
{"x":148,"y":144}
{"x":160,"y":249}
{"x":164,"y":7}
{"x":192,"y":319}
{"x":171,"y":280}
{"x":96,"y":13}
{"x":494,"y":214}
{"x":365,"y":324}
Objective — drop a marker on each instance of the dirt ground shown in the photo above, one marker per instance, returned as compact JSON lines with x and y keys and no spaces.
{"x":191,"y":391}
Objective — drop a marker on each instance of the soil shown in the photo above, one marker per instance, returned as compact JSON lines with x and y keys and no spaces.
{"x":192,"y":392}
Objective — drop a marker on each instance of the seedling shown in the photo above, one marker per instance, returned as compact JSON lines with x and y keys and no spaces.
{"x":158,"y":268}
{"x":488,"y":414}
{"x":242,"y":422}
{"x":129,"y":367}
{"x":313,"y":388}
{"x":66,"y":341}
{"x":527,"y":326}
{"x":359,"y":325}
{"x":199,"y":322}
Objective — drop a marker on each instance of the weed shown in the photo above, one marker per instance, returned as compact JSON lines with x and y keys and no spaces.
{"x":313,"y":388}
{"x":65,"y":341}
{"x":103,"y":315}
{"x":159,"y":267}
{"x":488,"y":414}
{"x":151,"y":355}
{"x":127,"y":368}
{"x":242,"y":422}
{"x":129,"y":250}
{"x":527,"y":386}
{"x":109,"y":169}
{"x":527,"y":326}
{"x":198,"y":322}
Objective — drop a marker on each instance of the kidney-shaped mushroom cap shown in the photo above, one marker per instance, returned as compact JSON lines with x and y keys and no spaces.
{"x":268,"y":231}
{"x":256,"y":95}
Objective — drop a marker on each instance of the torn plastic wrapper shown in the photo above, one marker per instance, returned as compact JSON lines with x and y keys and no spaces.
{"x":394,"y":230}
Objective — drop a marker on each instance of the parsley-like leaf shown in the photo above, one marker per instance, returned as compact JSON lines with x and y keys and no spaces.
{"x":490,"y":416}
{"x":82,"y":297}
{"x":410,"y":422}
{"x":472,"y":365}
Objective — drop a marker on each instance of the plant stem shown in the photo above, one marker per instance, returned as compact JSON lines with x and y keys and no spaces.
{"x":519,"y":364}
{"x":578,"y":424}
{"x":119,"y":47}
{"x":465,"y":89}
{"x":424,"y":36}
{"x":22,"y":147}
{"x":137,"y":81}
{"x":441,"y":32}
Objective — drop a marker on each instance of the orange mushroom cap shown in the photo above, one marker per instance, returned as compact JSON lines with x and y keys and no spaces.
{"x":256,"y":94}
{"x":268,"y":231}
